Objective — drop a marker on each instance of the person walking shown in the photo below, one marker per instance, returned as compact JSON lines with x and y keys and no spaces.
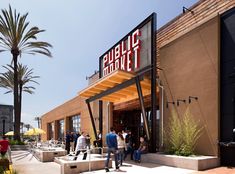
{"x":81,"y":146}
{"x":143,"y":148}
{"x":75,"y":138}
{"x":121,"y":147}
{"x":111,"y":141}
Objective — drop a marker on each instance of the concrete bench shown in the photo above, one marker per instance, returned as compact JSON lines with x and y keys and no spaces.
{"x":48,"y":155}
{"x":68,"y":166}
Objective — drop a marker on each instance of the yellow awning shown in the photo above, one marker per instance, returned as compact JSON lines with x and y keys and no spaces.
{"x":113,"y":79}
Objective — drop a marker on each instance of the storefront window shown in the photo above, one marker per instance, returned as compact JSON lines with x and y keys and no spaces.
{"x":76,"y":123}
{"x":61,"y":130}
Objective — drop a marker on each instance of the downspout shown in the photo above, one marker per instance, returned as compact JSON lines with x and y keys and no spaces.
{"x":162,"y":107}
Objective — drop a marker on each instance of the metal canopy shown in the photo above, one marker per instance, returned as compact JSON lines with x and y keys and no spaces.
{"x":117,"y":87}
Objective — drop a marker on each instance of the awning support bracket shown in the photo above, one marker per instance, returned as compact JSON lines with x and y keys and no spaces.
{"x":141,"y":100}
{"x":92,"y":119}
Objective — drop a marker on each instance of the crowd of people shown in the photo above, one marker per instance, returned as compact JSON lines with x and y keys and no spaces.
{"x":122,"y":144}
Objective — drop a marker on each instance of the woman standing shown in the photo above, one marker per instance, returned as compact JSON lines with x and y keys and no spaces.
{"x":121,"y":147}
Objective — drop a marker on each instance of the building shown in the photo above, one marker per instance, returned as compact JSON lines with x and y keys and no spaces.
{"x":187,"y":63}
{"x":6,"y":118}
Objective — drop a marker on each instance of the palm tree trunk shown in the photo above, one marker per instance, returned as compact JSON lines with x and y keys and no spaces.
{"x":16,"y":98}
{"x":20,"y":99}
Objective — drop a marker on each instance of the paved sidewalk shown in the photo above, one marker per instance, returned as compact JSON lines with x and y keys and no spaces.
{"x":25,"y":163}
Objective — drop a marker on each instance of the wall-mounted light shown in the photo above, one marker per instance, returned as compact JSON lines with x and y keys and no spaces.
{"x":192,"y":97}
{"x":180,"y":100}
{"x":186,"y":9}
{"x":167,"y":103}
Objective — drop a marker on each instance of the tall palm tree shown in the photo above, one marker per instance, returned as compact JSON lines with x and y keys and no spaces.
{"x":38,"y":119}
{"x":18,"y":38}
{"x":25,"y":76}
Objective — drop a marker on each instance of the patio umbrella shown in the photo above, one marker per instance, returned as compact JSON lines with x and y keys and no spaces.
{"x":11,"y":133}
{"x":34,"y":131}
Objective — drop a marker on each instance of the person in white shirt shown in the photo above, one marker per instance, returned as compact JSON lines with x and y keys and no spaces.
{"x":81,"y":146}
{"x":121,"y":147}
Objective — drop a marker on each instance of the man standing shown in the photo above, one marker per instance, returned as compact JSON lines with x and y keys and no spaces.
{"x":111,"y":141}
{"x":81,"y":146}
{"x":67,"y":142}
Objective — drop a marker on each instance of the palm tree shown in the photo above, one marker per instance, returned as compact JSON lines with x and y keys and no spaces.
{"x":25,"y":76}
{"x":38,"y":119}
{"x":18,"y":38}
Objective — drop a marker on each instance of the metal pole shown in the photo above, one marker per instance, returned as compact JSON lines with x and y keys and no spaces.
{"x":142,"y":106}
{"x":92,"y":119}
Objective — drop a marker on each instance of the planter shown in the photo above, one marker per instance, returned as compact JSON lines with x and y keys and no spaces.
{"x":194,"y":163}
{"x":4,"y":164}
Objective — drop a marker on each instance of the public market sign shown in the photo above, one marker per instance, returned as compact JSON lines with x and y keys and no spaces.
{"x":132,"y":53}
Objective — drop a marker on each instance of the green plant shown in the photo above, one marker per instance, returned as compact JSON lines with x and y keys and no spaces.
{"x":16,"y":142}
{"x":191,"y":133}
{"x":182,"y":134}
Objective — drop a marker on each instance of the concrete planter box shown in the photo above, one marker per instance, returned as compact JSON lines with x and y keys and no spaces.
{"x":48,"y":155}
{"x":194,"y":163}
{"x":68,"y":166}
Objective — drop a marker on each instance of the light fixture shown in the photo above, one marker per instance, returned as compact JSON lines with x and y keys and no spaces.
{"x":192,"y":97}
{"x":167,"y":103}
{"x":186,"y":9}
{"x":180,"y":100}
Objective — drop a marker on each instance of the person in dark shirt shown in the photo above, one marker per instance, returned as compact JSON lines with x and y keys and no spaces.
{"x":111,"y":141}
{"x":143,"y":148}
{"x":130,"y":144}
{"x":4,"y":144}
{"x":67,"y":142}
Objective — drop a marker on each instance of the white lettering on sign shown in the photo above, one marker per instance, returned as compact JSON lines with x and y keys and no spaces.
{"x":125,"y":55}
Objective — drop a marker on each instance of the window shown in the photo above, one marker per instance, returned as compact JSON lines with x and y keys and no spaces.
{"x":76,"y":123}
{"x":51,"y":127}
{"x":61,"y":130}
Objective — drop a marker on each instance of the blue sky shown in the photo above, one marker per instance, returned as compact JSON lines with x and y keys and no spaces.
{"x":80,"y":31}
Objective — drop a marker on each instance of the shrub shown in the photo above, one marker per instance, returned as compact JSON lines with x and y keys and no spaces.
{"x":175,"y":134}
{"x":191,"y":133}
{"x":16,"y":142}
{"x":182,"y":134}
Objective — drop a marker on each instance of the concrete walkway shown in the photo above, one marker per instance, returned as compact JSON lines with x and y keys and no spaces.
{"x":25,"y":163}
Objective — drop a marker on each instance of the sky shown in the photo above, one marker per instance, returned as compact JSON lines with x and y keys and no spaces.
{"x":80,"y":32}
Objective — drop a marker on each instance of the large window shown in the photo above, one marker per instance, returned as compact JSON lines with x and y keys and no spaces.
{"x":61,"y":130}
{"x":76,"y":123}
{"x":51,"y":127}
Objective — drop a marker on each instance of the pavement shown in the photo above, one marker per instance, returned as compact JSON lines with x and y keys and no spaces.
{"x":25,"y":163}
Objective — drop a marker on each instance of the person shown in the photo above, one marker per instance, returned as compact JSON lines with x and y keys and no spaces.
{"x":130,"y":145}
{"x":75,"y":138}
{"x":124,"y":134}
{"x":111,"y":141}
{"x":88,"y":141}
{"x":98,"y":142}
{"x":4,"y":145}
{"x":143,"y":148}
{"x":67,"y":142}
{"x":72,"y":142}
{"x":81,"y":146}
{"x":121,"y":147}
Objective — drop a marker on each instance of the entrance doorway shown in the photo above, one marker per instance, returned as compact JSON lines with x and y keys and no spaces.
{"x":132,"y":120}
